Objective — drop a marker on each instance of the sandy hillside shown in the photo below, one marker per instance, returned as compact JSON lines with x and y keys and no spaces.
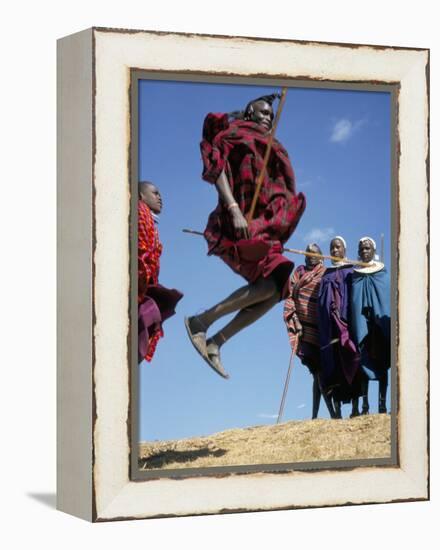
{"x":295,"y":441}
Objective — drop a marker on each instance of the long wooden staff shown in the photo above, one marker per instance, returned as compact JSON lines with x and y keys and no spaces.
{"x":260,"y":178}
{"x":302,"y":252}
{"x":286,"y":384}
{"x":324,"y":257}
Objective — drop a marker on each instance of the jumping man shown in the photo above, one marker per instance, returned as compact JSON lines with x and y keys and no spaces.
{"x":233,"y":148}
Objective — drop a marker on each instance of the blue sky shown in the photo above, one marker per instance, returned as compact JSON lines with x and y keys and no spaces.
{"x":339,"y":145}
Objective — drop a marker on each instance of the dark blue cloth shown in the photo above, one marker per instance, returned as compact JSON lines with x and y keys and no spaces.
{"x":370,"y":320}
{"x":340,"y":359}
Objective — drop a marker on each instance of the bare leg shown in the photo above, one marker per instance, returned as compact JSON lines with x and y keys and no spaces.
{"x":243,"y":319}
{"x":260,"y":291}
{"x":354,"y":407}
{"x":364,"y":389}
{"x":316,"y":396}
{"x":337,"y":408}
{"x":329,"y":403}
{"x":251,"y":301}
{"x":327,"y":399}
{"x":383,"y":385}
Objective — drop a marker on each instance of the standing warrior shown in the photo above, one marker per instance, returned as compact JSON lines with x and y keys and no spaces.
{"x":232,"y":153}
{"x":155,"y":302}
{"x":301,"y":318}
{"x":370,"y":320}
{"x":340,"y":375}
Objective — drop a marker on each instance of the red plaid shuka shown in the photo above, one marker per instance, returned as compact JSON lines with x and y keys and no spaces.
{"x":238,"y":148}
{"x":149,"y":251}
{"x":303,"y":301}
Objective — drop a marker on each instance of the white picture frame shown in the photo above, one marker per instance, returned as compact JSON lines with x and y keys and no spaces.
{"x":94,"y":386}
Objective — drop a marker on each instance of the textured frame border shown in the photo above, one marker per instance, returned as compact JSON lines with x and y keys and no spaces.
{"x":99,"y":486}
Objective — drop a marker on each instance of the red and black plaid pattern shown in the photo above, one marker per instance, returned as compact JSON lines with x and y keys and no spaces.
{"x":238,"y":148}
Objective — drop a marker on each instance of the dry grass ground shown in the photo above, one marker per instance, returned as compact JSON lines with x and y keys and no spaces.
{"x":295,"y":441}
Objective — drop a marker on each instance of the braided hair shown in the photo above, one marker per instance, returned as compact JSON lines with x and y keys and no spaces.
{"x":247,"y":112}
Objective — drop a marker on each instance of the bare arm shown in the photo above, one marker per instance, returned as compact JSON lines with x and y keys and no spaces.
{"x":224,"y":189}
{"x":238,"y":220}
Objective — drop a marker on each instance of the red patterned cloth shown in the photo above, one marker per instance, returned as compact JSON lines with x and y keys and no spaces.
{"x":303,"y":302}
{"x":238,"y":148}
{"x":156,"y":303}
{"x":149,"y":250}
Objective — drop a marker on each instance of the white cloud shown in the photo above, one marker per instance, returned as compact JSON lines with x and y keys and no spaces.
{"x":341,"y":130}
{"x":301,"y":406}
{"x":319,"y":235}
{"x":264,"y":415}
{"x":344,"y":129}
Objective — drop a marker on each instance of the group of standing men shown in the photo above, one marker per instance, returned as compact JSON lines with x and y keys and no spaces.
{"x":247,"y":230}
{"x":338,"y":321}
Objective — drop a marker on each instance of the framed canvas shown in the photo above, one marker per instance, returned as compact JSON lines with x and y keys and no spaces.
{"x":132,"y":437}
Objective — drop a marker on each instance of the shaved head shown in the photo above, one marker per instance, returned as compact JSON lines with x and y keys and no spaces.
{"x":150,"y":195}
{"x":143,"y":185}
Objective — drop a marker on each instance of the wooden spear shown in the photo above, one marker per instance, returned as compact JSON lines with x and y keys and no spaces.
{"x":250,"y":214}
{"x":324,"y":257}
{"x":286,"y":385}
{"x":302,"y":252}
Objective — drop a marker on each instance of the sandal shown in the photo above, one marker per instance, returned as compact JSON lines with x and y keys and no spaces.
{"x":213,"y":359}
{"x":198,"y":339}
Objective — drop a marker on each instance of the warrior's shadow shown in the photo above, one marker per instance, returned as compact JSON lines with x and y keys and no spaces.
{"x":161,"y":458}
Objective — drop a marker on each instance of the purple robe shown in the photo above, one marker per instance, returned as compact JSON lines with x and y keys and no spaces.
{"x":340,"y":373}
{"x":158,"y":306}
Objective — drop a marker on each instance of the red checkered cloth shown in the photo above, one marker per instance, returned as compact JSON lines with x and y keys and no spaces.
{"x":238,"y":148}
{"x":156,"y":303}
{"x":149,"y":251}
